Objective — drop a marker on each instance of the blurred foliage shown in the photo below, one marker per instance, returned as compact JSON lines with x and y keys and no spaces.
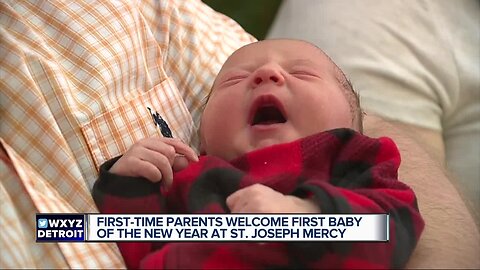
{"x":255,"y":16}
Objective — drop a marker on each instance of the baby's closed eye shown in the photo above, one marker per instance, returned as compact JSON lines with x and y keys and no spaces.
{"x":303,"y":73}
{"x":233,"y":79}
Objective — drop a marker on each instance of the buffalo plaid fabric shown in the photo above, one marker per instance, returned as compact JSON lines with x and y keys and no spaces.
{"x":341,"y":170}
{"x":76,"y":81}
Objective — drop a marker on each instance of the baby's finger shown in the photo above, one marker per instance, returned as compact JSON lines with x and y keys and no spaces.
{"x":244,"y":209}
{"x":157,"y":159}
{"x":161,"y":146}
{"x":235,"y":201}
{"x":180,"y":163}
{"x":161,"y":162}
{"x":142,"y":168}
{"x":182,"y":148}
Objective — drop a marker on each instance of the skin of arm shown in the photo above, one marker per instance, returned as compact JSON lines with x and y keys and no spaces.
{"x":451,"y":238}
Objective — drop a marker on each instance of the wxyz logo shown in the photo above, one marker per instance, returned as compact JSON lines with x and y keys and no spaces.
{"x":65,"y":223}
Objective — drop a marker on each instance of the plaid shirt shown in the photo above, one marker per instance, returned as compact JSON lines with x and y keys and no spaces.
{"x":76,"y":78}
{"x":341,"y":170}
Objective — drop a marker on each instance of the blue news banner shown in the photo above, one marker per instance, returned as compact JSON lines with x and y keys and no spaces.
{"x":211,"y":227}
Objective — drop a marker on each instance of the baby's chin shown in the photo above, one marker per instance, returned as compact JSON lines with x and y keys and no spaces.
{"x":232,"y":154}
{"x":235,"y":152}
{"x":266,"y":143}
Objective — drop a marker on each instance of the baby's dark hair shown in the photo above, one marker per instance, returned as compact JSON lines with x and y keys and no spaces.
{"x":352,"y":97}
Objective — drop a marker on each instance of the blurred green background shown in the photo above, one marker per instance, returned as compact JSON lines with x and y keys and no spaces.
{"x":255,"y":16}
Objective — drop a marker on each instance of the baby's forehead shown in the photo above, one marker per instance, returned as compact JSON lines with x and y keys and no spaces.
{"x":278,"y":50}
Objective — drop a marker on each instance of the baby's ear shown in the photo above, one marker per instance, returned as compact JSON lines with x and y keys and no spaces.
{"x":202,"y":140}
{"x":202,"y":150}
{"x":201,"y":147}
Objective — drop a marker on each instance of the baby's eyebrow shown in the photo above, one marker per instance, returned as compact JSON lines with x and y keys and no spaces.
{"x":230,"y":72}
{"x":224,"y":74}
{"x":242,"y":67}
{"x":302,"y":61}
{"x":249,"y":67}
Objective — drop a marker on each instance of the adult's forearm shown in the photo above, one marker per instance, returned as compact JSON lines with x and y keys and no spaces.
{"x":451,"y":238}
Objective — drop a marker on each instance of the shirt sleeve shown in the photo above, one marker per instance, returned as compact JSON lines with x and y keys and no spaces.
{"x":116,"y":194}
{"x":357,"y":188}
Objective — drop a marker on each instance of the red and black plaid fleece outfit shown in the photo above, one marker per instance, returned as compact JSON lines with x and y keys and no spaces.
{"x":341,"y":170}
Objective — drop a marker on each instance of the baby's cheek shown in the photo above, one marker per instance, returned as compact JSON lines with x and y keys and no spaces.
{"x":215,"y":132}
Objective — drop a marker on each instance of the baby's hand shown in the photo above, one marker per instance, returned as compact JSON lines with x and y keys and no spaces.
{"x":154,"y":158}
{"x":262,"y":199}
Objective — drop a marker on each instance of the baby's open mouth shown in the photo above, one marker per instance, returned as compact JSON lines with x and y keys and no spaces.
{"x":267,"y":110}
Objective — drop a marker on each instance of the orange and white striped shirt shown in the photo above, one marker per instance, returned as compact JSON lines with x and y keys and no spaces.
{"x":76,"y":81}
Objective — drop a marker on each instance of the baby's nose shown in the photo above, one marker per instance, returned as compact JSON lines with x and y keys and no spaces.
{"x":267,"y":74}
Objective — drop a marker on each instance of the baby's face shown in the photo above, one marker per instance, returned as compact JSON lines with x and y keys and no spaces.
{"x":272,"y":92}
